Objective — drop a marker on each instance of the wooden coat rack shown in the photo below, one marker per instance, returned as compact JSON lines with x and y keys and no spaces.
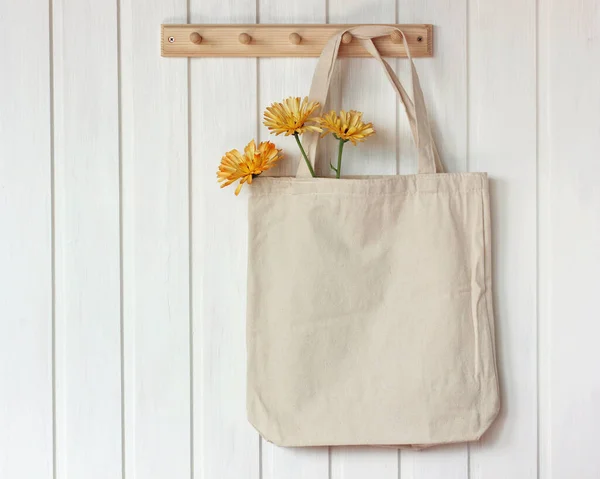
{"x":284,"y":41}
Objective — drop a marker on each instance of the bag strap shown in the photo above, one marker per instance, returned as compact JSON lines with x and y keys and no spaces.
{"x":429,"y":161}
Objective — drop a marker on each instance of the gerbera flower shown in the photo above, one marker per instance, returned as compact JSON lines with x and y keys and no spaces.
{"x":235,"y":166}
{"x":291,"y":116}
{"x":348,"y":126}
{"x":345,"y":127}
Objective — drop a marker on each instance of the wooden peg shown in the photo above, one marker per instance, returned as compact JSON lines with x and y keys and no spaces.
{"x":196,"y":38}
{"x":346,"y":38}
{"x":396,"y":36}
{"x":245,"y":39}
{"x":295,"y":39}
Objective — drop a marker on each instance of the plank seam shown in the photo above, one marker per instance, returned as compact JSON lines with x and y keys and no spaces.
{"x":467,"y":96}
{"x":52,"y":230}
{"x":468,"y":461}
{"x":260,"y":461}
{"x":121,"y":274}
{"x":537,"y":239}
{"x":190,"y":257}
{"x":190,"y":252}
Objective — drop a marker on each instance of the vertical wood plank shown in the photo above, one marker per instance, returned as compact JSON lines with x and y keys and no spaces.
{"x":445,"y":462}
{"x":223,"y":117}
{"x":443,"y":78}
{"x":502,"y":141}
{"x":444,"y":82}
{"x":545,"y":250}
{"x":294,"y":463}
{"x":88,"y":303}
{"x":158,"y":409}
{"x":360,"y":84}
{"x":361,"y":462}
{"x":570,"y":230}
{"x":280,"y":78}
{"x":26,"y":443}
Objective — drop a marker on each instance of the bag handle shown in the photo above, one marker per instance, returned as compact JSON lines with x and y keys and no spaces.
{"x":429,"y":161}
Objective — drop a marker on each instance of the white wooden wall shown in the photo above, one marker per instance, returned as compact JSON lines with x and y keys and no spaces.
{"x":123,"y":265}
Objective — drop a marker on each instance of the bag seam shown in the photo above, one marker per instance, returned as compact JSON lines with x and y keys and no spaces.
{"x":366,"y":194}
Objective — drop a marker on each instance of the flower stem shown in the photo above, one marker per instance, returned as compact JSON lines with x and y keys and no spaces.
{"x":338,"y":170}
{"x":310,"y":167}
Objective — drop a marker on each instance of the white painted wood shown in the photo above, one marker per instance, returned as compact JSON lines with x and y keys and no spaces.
{"x":88,"y":302}
{"x":157,"y":363}
{"x":360,"y":84}
{"x":184,"y":397}
{"x":279,"y":78}
{"x":226,"y":444}
{"x":446,"y":462}
{"x":223,"y":117}
{"x":570,"y":206}
{"x":545,"y":249}
{"x":444,"y":82}
{"x":443,"y":78}
{"x":297,"y":463}
{"x":502,"y":141}
{"x":26,"y":443}
{"x":361,"y":462}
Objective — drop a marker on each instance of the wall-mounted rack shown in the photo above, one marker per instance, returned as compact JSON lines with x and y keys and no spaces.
{"x":284,"y":41}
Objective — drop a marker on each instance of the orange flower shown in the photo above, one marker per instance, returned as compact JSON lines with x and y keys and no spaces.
{"x":348,"y":126}
{"x":290,"y":116}
{"x":235,"y":166}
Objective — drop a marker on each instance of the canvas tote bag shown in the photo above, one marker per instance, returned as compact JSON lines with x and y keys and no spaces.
{"x":369,"y":313}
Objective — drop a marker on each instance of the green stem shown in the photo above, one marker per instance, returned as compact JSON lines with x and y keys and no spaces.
{"x":338,"y":171}
{"x":310,"y":167}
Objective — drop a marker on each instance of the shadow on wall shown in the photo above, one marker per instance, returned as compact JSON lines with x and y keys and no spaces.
{"x":492,"y":434}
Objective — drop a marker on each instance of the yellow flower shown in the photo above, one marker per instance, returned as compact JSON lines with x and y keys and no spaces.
{"x":290,"y":116}
{"x":348,"y":126}
{"x":235,"y":166}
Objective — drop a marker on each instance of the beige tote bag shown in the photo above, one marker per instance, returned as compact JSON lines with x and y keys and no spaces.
{"x":369,"y":299}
